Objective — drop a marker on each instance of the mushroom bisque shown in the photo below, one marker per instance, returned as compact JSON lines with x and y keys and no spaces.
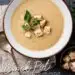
{"x":45,"y":29}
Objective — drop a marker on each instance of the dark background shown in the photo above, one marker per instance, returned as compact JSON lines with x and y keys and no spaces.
{"x":3,"y":2}
{"x":71,"y":5}
{"x":57,"y":70}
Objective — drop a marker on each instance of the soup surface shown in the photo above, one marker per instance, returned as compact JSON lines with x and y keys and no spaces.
{"x":50,"y":12}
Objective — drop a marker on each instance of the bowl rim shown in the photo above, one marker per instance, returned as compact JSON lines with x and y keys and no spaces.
{"x":43,"y":54}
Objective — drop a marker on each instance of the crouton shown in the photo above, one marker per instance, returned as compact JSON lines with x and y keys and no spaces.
{"x":28,"y":34}
{"x":72,"y":66}
{"x":66,"y":66}
{"x":38,"y":32}
{"x":47,"y":29}
{"x":43,"y":23}
{"x":72,"y":55}
{"x":66,"y":59}
{"x":39,"y":17}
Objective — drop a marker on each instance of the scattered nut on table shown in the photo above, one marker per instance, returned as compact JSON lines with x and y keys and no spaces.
{"x":72,"y":66}
{"x":72,"y":55}
{"x":66,"y":59}
{"x":66,"y":66}
{"x":69,"y":61}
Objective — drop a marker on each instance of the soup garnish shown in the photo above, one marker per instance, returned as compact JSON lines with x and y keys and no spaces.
{"x":36,"y":25}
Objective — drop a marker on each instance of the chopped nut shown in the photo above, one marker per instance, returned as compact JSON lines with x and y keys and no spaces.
{"x":39,"y":17}
{"x":28,"y":34}
{"x":66,"y":66}
{"x":72,"y":66}
{"x":43,"y":23}
{"x":66,"y":59}
{"x":38,"y":32}
{"x":47,"y":29}
{"x":72,"y":55}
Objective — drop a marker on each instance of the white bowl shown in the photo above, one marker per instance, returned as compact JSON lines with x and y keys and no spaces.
{"x":39,"y":54}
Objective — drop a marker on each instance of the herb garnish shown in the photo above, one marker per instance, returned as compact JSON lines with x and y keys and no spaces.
{"x":35,"y":22}
{"x":27,"y":16}
{"x":30,"y":21}
{"x":26,"y":27}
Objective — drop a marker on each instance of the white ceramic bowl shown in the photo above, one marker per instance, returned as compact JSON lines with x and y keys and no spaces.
{"x":39,"y":54}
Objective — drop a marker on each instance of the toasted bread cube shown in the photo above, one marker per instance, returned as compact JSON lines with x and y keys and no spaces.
{"x":43,"y":23}
{"x":72,"y":66}
{"x":47,"y":29}
{"x":66,"y":66}
{"x":39,"y":17}
{"x":28,"y":34}
{"x":72,"y":55}
{"x":66,"y":59}
{"x":38,"y":32}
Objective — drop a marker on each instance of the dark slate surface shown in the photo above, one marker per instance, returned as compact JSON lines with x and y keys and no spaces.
{"x":2,"y":2}
{"x":57,"y":70}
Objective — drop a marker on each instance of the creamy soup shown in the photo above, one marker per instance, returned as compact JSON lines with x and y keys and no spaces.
{"x":50,"y":12}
